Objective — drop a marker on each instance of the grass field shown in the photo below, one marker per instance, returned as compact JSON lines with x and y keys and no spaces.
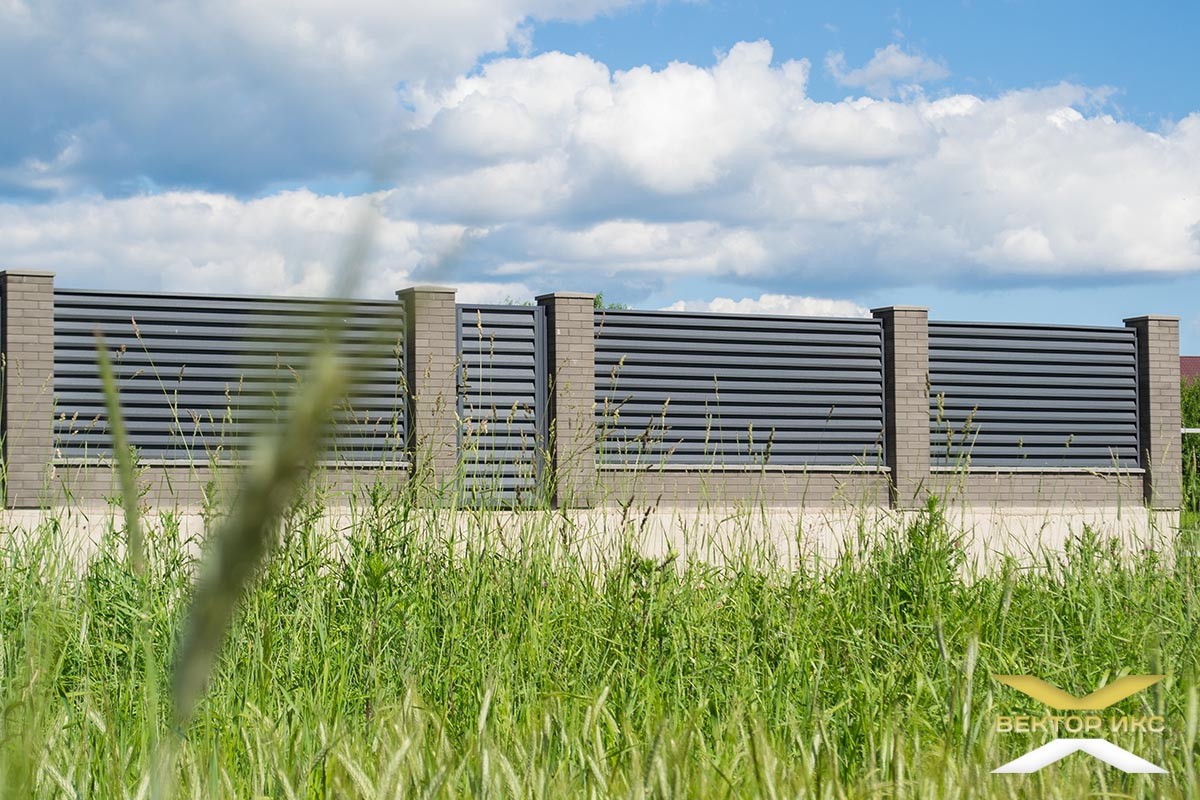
{"x":398,"y":665}
{"x":392,"y":661}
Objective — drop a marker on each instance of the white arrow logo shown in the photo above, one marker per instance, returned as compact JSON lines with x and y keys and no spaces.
{"x":1104,"y":750}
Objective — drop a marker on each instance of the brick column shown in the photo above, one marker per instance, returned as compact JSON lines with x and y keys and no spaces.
{"x":431,"y":370}
{"x":571,"y":348}
{"x":27,"y":322}
{"x":906,"y":401}
{"x":1159,"y":413}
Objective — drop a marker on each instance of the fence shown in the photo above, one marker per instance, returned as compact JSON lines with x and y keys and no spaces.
{"x":556,"y":403}
{"x":202,"y":377}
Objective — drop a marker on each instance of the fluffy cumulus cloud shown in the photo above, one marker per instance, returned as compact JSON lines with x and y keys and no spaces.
{"x":288,"y":243}
{"x":733,"y":170}
{"x":554,"y":171}
{"x":224,"y":94}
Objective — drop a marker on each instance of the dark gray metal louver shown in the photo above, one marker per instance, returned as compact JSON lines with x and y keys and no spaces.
{"x":723,"y":390}
{"x":502,"y":402}
{"x":202,"y":376}
{"x":1009,"y":395}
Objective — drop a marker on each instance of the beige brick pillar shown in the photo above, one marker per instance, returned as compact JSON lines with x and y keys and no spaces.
{"x":27,"y":321}
{"x":1159,"y":413}
{"x":906,"y":401}
{"x":431,"y":370}
{"x":571,"y":350}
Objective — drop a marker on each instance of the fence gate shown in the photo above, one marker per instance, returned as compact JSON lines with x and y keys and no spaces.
{"x":502,"y":403}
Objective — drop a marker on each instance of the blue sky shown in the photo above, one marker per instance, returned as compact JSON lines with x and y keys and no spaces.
{"x":1144,"y":50}
{"x":1003,"y":160}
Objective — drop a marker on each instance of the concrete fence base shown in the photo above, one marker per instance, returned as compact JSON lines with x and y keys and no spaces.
{"x":766,"y":538}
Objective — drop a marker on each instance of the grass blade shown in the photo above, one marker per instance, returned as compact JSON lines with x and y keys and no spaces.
{"x":242,"y":540}
{"x":123,"y":457}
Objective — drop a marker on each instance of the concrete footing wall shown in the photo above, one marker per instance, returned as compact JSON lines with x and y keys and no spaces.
{"x":763,"y":537}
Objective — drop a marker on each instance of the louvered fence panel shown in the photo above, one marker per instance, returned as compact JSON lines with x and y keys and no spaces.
{"x":502,"y":402}
{"x":1011,"y":395}
{"x":202,"y":376}
{"x":724,"y":390}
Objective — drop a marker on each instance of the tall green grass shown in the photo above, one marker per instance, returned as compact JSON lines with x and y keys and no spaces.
{"x":1190,"y":396}
{"x":402,"y":656}
{"x":407,"y":658}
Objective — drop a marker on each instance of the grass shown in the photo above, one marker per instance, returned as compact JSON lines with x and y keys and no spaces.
{"x":405,"y":657}
{"x":1190,"y":397}
{"x":398,"y":661}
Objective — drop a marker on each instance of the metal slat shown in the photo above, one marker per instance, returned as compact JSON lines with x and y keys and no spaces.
{"x":1014,"y":395}
{"x":720,"y":370}
{"x":751,"y":404}
{"x":166,"y":364}
{"x":182,"y":358}
{"x":146,"y":396}
{"x":698,"y":423}
{"x":750,"y":393}
{"x":150,"y":418}
{"x":811,"y":387}
{"x":705,"y":460}
{"x":704,"y":320}
{"x":363,"y":347}
{"x":106,"y":299}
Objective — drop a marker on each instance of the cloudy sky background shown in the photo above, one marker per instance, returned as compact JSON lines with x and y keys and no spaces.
{"x":989,"y":160}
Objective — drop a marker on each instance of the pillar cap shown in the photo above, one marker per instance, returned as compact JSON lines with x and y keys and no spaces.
{"x":1152,"y":318}
{"x":427,"y":288}
{"x":31,"y":273}
{"x":886,"y":309}
{"x":566,"y":296}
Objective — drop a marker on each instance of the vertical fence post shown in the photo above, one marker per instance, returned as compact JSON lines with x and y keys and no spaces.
{"x":1159,"y":412}
{"x":906,"y":401}
{"x":431,"y":371}
{"x":27,"y":333}
{"x":571,"y":348}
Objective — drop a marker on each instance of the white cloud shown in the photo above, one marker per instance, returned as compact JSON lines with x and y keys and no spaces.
{"x":288,"y":243}
{"x":684,"y":127}
{"x":229,"y":94}
{"x":556,"y":172}
{"x":494,"y":292}
{"x":655,"y":169}
{"x":628,"y":250}
{"x":779,"y":304}
{"x":889,"y":70}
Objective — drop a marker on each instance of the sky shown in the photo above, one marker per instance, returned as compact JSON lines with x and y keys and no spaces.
{"x":1017,"y":161}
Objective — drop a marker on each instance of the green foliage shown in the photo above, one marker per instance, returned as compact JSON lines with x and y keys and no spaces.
{"x":1190,"y":397}
{"x":413,"y":658}
{"x":598,"y":303}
